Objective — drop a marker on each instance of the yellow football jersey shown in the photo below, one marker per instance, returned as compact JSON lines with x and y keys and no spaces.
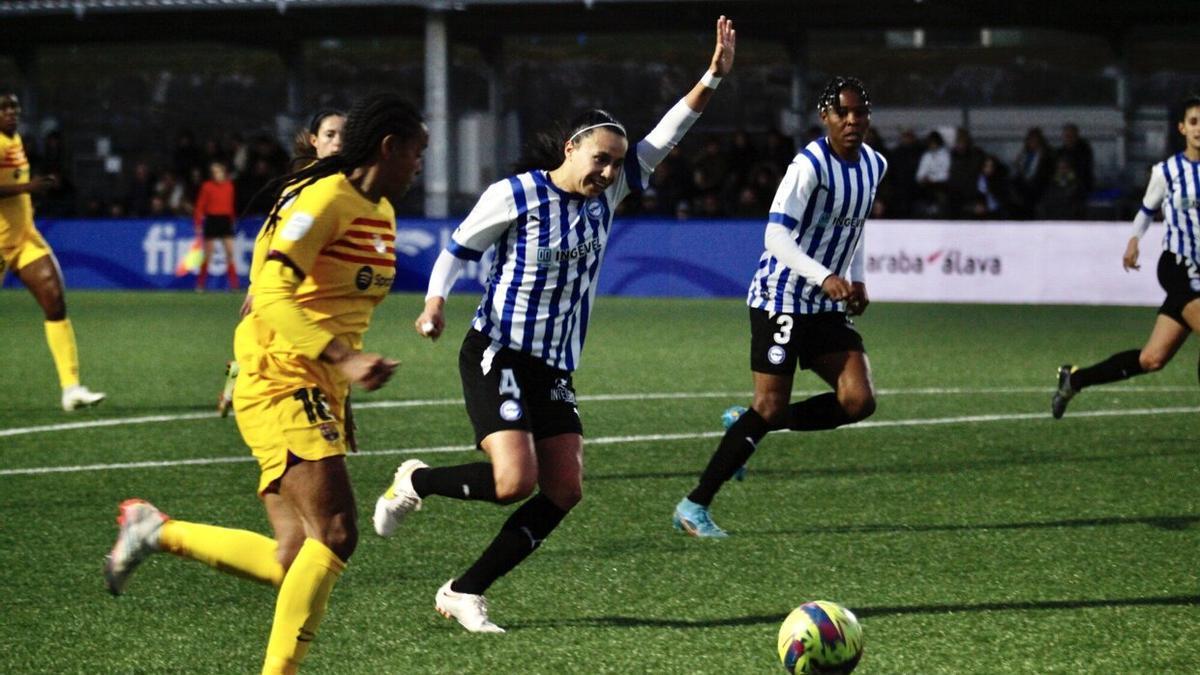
{"x":16,"y":212}
{"x":344,"y":246}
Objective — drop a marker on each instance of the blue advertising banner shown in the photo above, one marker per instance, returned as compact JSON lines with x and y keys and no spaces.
{"x":693,"y":258}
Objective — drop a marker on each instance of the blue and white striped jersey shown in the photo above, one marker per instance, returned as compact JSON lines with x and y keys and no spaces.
{"x":549,"y":246}
{"x":824,"y":201}
{"x":1175,"y":188}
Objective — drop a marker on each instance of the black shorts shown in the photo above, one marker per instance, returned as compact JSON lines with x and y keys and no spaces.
{"x":508,"y":389}
{"x":779,"y":341}
{"x":1180,"y":278}
{"x":216,"y":227}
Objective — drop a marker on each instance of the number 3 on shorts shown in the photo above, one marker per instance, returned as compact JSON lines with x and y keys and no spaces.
{"x":508,"y":383}
{"x":784,"y":322}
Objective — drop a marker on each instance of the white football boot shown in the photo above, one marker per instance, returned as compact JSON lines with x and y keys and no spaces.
{"x":394,"y":505}
{"x":78,"y":396}
{"x":139,"y":522}
{"x":469,"y":610}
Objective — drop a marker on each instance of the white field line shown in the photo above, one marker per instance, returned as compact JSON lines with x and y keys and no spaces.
{"x":611,"y":440}
{"x":662,"y":396}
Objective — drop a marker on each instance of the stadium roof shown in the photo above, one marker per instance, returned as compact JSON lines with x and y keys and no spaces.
{"x":68,"y":21}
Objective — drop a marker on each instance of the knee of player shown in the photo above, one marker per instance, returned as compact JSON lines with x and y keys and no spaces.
{"x":515,"y":488}
{"x":568,"y":497}
{"x":773,"y":412}
{"x":858,"y":405}
{"x":341,"y":537}
{"x":1152,"y":362}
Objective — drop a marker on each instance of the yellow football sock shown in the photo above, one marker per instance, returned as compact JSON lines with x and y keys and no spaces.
{"x":61,"y":338}
{"x":301,"y":606}
{"x":241,"y":552}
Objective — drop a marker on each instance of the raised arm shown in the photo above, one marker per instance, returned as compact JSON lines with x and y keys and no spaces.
{"x":671,"y":128}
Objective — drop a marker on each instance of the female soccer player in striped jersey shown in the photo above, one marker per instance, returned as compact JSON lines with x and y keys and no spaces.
{"x":1175,"y":189}
{"x":330,"y":262}
{"x":808,"y":281}
{"x":549,"y":226}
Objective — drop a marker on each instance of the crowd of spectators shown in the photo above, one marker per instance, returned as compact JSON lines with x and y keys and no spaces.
{"x":146,"y":188}
{"x":735,"y":176}
{"x":726,"y":176}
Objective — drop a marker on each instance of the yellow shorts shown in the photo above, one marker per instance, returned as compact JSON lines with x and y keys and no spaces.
{"x":28,"y":248}
{"x":285,"y":426}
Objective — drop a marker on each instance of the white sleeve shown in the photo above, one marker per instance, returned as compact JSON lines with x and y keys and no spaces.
{"x":666,"y":134}
{"x":1151,"y":203}
{"x":445,"y":272}
{"x":492,"y":215}
{"x":779,"y":243}
{"x":857,"y":266}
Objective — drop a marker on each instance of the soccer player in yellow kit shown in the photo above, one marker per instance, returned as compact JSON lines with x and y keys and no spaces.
{"x":321,"y":138}
{"x":330,"y":261}
{"x":23,"y":250}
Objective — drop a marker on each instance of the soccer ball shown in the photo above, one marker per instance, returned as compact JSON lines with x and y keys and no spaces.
{"x":820,"y":637}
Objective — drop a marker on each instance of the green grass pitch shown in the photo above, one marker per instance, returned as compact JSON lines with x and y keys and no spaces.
{"x":969,"y":531}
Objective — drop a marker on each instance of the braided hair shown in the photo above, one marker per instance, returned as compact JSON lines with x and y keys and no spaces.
{"x":833,"y":89}
{"x":545,"y":151}
{"x":370,"y":120}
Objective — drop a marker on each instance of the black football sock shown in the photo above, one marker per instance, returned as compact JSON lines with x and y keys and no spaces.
{"x":1119,"y":366}
{"x":466,"y":481}
{"x":521,"y":535}
{"x":819,"y":412}
{"x":736,"y":446}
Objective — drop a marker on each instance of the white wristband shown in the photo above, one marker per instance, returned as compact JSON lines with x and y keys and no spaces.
{"x":709,"y":80}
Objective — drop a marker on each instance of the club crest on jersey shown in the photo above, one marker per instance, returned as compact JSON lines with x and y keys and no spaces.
{"x":775,"y":354}
{"x":595,"y":208}
{"x":510,"y":410}
{"x":329,"y":432}
{"x":362,"y":280}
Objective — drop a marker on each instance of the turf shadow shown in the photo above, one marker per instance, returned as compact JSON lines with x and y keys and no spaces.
{"x":885,"y":610}
{"x":1168,"y":523}
{"x":914,"y":468}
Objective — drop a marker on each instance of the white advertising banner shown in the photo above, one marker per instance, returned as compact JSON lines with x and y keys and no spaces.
{"x":1009,"y":262}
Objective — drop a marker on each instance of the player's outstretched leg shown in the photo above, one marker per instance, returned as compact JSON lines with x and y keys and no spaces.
{"x":1064,"y":392}
{"x":469,"y":610}
{"x":1072,"y":380}
{"x":400,"y":499}
{"x":140,"y":523}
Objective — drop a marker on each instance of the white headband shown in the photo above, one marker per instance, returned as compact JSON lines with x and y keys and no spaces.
{"x":597,"y":126}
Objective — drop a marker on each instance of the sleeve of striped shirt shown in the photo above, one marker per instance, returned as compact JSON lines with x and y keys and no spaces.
{"x":493,"y":214}
{"x":857,"y":263}
{"x":787,"y":210}
{"x":1151,"y":202}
